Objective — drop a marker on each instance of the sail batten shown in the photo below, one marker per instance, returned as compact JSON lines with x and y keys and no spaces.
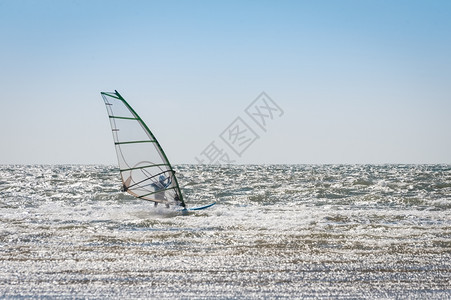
{"x":145,"y":170}
{"x":123,"y":118}
{"x":142,"y":167}
{"x":133,"y":142}
{"x":152,"y":193}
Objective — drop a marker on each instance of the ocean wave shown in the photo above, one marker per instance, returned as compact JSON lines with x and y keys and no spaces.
{"x":277,"y":230}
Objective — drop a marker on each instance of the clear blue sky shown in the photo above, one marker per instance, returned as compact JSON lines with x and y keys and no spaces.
{"x":358,"y":81}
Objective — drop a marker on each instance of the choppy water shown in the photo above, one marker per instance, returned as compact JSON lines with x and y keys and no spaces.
{"x":328,"y":231}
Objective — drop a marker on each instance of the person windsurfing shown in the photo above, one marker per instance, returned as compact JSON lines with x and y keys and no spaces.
{"x":162,"y":183}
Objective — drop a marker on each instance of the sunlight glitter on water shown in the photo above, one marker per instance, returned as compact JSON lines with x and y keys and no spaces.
{"x":276,"y":231}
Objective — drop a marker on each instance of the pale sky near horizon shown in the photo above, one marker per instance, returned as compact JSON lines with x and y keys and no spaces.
{"x":357,"y":81}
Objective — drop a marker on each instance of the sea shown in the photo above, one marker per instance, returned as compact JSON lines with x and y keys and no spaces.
{"x":276,"y":232}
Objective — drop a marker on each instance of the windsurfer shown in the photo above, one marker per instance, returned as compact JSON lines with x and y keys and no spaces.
{"x":162,"y":183}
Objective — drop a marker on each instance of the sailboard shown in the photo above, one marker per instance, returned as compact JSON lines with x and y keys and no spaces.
{"x":144,"y":167}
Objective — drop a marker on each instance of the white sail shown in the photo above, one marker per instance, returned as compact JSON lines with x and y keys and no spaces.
{"x":145,"y":170}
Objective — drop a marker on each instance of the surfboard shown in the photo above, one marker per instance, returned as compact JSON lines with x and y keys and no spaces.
{"x":200,"y":207}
